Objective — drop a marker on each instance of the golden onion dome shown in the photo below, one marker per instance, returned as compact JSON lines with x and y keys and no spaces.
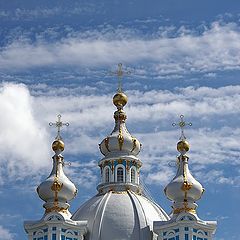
{"x":58,"y":145}
{"x":120,"y":99}
{"x":183,"y":146}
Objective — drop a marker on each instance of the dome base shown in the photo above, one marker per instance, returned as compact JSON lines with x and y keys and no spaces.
{"x":118,"y":187}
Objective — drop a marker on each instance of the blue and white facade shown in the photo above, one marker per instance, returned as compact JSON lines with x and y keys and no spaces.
{"x":184,"y":190}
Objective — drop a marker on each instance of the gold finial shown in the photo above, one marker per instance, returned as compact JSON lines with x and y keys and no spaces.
{"x":120,"y":100}
{"x":120,"y":72}
{"x":58,"y":124}
{"x":182,"y":124}
{"x":182,"y":146}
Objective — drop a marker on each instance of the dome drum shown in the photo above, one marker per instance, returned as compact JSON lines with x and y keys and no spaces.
{"x":118,"y":187}
{"x":127,"y":161}
{"x":120,"y":171}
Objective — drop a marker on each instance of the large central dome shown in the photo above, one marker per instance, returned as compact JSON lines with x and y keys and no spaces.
{"x":120,"y":210}
{"x":120,"y":216}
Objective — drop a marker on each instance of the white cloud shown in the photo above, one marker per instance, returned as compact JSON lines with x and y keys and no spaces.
{"x":23,"y":142}
{"x":165,"y":56}
{"x":5,"y":234}
{"x":162,"y":177}
{"x":46,"y":12}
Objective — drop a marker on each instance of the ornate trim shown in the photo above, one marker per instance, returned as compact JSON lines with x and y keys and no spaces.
{"x":120,"y":139}
{"x":134,"y":140}
{"x":184,"y":209}
{"x":186,"y":186}
{"x":106,"y":142}
{"x":56,"y":209}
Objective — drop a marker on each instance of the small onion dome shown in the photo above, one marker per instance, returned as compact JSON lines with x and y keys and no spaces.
{"x":184,"y":183}
{"x":65,"y":188}
{"x":183,"y":146}
{"x":120,"y":99}
{"x":58,"y":146}
{"x":124,"y":144}
{"x":120,"y":140}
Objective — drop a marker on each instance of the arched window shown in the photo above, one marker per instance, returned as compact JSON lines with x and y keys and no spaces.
{"x":120,"y":174}
{"x":133,"y":175}
{"x":107,"y":175}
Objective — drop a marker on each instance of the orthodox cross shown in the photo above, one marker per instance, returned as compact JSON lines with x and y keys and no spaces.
{"x":182,"y":124}
{"x":58,"y":124}
{"x":120,"y":72}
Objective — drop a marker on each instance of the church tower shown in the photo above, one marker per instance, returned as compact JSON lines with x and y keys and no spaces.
{"x":57,"y":190}
{"x":120,"y":210}
{"x":184,"y":190}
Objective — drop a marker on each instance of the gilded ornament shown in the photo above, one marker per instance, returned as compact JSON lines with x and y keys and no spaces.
{"x":106,"y":142}
{"x":186,"y":186}
{"x":183,"y":146}
{"x":120,"y":161}
{"x":120,"y":99}
{"x":184,"y":209}
{"x":56,"y":209}
{"x":58,"y":145}
{"x":120,"y":115}
{"x":139,"y":191}
{"x":112,"y":167}
{"x":120,"y":139}
{"x":134,"y":140}
{"x":56,"y":186}
{"x":127,"y":165}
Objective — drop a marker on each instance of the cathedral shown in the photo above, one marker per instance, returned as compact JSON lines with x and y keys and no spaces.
{"x":120,"y":210}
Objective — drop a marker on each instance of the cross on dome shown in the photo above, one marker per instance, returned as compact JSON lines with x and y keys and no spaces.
{"x":58,"y":124}
{"x":182,"y":124}
{"x":120,"y":72}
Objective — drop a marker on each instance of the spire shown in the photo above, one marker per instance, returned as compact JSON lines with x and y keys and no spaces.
{"x":57,"y":189}
{"x":184,"y":190}
{"x":120,"y":140}
{"x":120,"y":148}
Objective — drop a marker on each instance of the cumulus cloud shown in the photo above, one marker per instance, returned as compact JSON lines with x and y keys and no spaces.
{"x":163,"y":56}
{"x":23,"y":141}
{"x":5,"y":234}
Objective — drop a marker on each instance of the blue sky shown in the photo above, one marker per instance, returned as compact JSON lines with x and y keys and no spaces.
{"x":55,"y":57}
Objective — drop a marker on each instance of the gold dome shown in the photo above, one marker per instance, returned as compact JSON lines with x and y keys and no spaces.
{"x":183,"y":146}
{"x":58,"y":145}
{"x":120,"y":99}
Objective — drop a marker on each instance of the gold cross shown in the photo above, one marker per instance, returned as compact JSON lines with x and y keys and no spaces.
{"x":58,"y":124}
{"x":120,"y":74}
{"x":182,"y":124}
